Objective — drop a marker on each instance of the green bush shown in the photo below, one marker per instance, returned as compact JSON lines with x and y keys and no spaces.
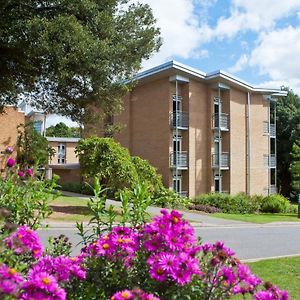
{"x":275,"y":204}
{"x":77,"y":187}
{"x":239,"y":203}
{"x":147,"y":173}
{"x":168,"y":198}
{"x":109,"y":161}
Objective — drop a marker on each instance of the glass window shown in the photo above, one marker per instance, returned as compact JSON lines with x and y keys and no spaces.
{"x":61,"y":154}
{"x":38,"y":126}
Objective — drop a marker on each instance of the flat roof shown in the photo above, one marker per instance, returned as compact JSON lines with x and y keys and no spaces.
{"x":211,"y":76}
{"x":62,"y":139}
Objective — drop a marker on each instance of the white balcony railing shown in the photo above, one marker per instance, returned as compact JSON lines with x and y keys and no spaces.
{"x":224,"y":164}
{"x":221,"y":122}
{"x":179,"y":159}
{"x":269,"y":129}
{"x":179,"y":119}
{"x":270,"y":160}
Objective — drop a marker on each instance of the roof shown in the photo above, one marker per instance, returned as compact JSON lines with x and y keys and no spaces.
{"x":62,"y":139}
{"x":211,"y":77}
{"x":74,"y":166}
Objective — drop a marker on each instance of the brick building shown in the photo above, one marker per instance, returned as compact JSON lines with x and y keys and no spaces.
{"x":204,"y":132}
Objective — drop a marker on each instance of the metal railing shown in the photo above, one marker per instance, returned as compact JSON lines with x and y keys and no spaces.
{"x":179,"y":159}
{"x":270,"y":160}
{"x":179,"y":119}
{"x":269,"y":129}
{"x":221,"y":122}
{"x":224,"y":160}
{"x":272,"y":189}
{"x":183,"y":194}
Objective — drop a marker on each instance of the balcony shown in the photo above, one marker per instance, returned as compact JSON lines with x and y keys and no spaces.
{"x":224,"y":161}
{"x":179,"y":119}
{"x":270,"y":160}
{"x":221,"y":122}
{"x":270,"y":129}
{"x":183,"y":194}
{"x":179,"y":159}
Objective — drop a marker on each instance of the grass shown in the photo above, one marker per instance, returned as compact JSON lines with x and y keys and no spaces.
{"x":283,"y":272}
{"x":258,"y":218}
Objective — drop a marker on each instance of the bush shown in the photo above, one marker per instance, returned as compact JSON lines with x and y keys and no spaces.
{"x":275,"y":204}
{"x":205,"y":208}
{"x":77,"y":187}
{"x":168,"y":198}
{"x":239,"y":203}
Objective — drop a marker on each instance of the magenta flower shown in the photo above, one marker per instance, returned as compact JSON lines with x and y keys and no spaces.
{"x":135,"y":294}
{"x":10,"y":162}
{"x":25,"y":240}
{"x":10,"y":281}
{"x":29,"y":172}
{"x":20,"y":173}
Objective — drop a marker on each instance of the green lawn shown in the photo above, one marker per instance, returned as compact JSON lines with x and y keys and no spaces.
{"x":258,"y":218}
{"x":283,"y":272}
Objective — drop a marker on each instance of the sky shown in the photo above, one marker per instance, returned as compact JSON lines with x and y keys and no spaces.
{"x":255,"y":40}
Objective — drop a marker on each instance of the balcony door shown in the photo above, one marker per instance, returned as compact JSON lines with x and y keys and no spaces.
{"x":177,"y":104}
{"x":177,"y":183}
{"x":177,"y":143}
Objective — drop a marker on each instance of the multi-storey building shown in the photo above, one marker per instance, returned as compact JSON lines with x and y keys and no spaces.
{"x":204,"y":132}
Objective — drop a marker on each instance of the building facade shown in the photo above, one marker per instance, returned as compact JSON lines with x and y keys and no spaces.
{"x":203,"y":132}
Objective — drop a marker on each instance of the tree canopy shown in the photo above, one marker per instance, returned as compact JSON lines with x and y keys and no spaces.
{"x":288,"y":132}
{"x":62,"y":130}
{"x":66,"y":55}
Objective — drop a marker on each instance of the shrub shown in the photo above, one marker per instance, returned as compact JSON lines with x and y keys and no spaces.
{"x":147,"y":173}
{"x":108,"y":160}
{"x":275,"y":204}
{"x":167,"y":198}
{"x":239,"y":203}
{"x":77,"y":187}
{"x":205,"y":208}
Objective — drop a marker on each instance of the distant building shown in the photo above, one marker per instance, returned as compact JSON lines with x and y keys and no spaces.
{"x":204,"y":132}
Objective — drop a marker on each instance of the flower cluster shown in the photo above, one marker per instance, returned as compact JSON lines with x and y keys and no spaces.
{"x":135,"y":294}
{"x":41,"y":286}
{"x":271,"y":293}
{"x":25,"y":240}
{"x":172,"y":244}
{"x":121,"y":243}
{"x":61,"y":267}
{"x":10,"y":281}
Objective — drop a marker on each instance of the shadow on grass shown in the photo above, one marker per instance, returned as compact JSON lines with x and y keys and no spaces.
{"x":68,"y":209}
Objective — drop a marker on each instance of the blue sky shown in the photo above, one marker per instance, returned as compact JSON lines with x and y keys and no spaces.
{"x":256,"y":40}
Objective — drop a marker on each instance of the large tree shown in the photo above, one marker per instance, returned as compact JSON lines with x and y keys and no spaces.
{"x":62,"y":130}
{"x":288,"y":131}
{"x":295,"y":167}
{"x":67,"y":55}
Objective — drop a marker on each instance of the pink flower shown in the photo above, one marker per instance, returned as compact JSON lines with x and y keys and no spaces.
{"x":29,"y":172}
{"x":10,"y":281}
{"x":20,"y":173}
{"x":9,"y":150}
{"x":10,"y":162}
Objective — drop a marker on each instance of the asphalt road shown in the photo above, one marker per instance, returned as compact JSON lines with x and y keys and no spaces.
{"x":250,"y":242}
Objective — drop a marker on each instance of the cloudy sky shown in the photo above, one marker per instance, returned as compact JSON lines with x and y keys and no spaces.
{"x":256,"y":40}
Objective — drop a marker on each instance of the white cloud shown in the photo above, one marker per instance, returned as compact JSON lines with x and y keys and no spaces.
{"x":53,"y":119}
{"x":277,"y":55}
{"x":240,"y":64}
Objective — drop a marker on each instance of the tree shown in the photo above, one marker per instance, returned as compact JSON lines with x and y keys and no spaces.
{"x":33,"y":148}
{"x":62,"y":130}
{"x":295,"y":167}
{"x":67,"y":55}
{"x":288,"y":131}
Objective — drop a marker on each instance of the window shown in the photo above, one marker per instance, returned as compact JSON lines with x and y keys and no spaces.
{"x":61,"y":153}
{"x":217,"y":183}
{"x":177,"y":103}
{"x":38,"y":126}
{"x":177,"y":183}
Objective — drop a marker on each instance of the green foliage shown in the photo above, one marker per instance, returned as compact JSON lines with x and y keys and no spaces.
{"x":275,"y":204}
{"x":239,"y":203}
{"x":109,"y":161}
{"x":62,"y":130}
{"x":69,"y":54}
{"x":59,"y":246}
{"x":27,"y":199}
{"x":167,"y":198}
{"x":288,"y":132}
{"x":295,"y":167}
{"x":147,"y":173}
{"x":33,"y":148}
{"x":77,"y":187}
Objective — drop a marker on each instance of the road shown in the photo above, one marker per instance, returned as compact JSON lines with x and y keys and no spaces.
{"x":250,"y":242}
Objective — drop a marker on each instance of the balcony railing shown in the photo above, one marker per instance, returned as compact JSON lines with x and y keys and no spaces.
{"x":270,"y":160}
{"x":179,"y":159}
{"x":221,"y":122}
{"x":224,"y":160}
{"x":179,"y":119}
{"x":270,"y":129}
{"x":183,"y":194}
{"x":272,"y":189}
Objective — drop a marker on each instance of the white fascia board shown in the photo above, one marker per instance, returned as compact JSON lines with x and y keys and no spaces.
{"x":62,"y":139}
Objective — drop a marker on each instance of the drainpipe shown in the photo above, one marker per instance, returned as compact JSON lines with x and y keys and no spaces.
{"x":219,"y":138}
{"x":275,"y":142}
{"x":176,"y":135}
{"x":248,"y":149}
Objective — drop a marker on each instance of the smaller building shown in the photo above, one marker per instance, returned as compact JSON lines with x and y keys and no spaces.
{"x":65,"y":163}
